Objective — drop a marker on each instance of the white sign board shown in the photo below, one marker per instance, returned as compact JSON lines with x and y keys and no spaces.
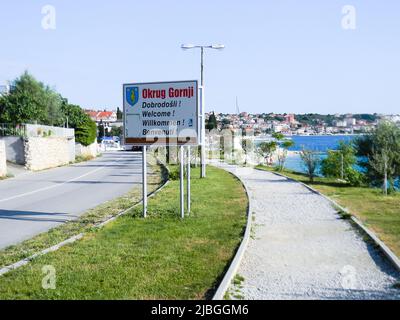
{"x":161,"y":113}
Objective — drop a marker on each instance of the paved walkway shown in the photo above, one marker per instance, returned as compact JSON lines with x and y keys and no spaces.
{"x":301,"y":249}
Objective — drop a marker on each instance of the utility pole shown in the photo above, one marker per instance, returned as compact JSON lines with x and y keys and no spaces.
{"x":202,"y":111}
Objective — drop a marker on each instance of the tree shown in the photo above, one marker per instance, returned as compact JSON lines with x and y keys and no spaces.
{"x":338,"y":163}
{"x":381,"y":162}
{"x":212,"y":122}
{"x":85,"y":132}
{"x":278,"y":136}
{"x":283,"y":152}
{"x":53,"y":103}
{"x":284,"y":146}
{"x":116,"y":131}
{"x":266,"y":149}
{"x":311,"y":161}
{"x":119,"y":114}
{"x":73,"y":114}
{"x":26,"y":102}
{"x":31,"y":101}
{"x":85,"y":128}
{"x":382,"y":144}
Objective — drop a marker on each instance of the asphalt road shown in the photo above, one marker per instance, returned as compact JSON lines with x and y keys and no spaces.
{"x":33,"y":203}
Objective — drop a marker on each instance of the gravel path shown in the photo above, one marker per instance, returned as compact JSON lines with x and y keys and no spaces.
{"x":301,"y":249}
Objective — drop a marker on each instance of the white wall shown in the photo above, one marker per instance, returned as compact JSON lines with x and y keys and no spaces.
{"x":3,"y":164}
{"x":89,"y":151}
{"x":38,"y":130}
{"x":44,"y":153}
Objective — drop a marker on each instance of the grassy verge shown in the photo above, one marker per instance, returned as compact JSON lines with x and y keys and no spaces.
{"x":7,"y":176}
{"x":85,"y":223}
{"x":79,"y":159}
{"x":162,"y":257}
{"x":379,"y":213}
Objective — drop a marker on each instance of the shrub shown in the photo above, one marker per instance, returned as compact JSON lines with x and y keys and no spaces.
{"x":355,"y":177}
{"x":85,"y":133}
{"x":174,"y":174}
{"x":311,"y":161}
{"x":340,"y":164}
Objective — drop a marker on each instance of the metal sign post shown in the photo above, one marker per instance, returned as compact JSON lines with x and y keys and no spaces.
{"x":202,"y":126}
{"x":144,"y":180}
{"x":188,"y":180}
{"x":182,"y":180}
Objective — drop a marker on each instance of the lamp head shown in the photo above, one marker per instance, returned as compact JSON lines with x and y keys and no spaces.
{"x":187,"y":46}
{"x":218,"y":46}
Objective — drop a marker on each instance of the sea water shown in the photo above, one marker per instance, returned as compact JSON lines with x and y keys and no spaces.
{"x":320,"y":144}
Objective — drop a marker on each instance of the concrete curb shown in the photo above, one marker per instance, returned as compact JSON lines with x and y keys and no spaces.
{"x":230,"y":274}
{"x":77,"y":237}
{"x":385,"y":249}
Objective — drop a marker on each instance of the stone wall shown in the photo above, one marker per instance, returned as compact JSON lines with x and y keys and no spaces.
{"x":3,"y":164}
{"x":15,"y":149}
{"x":44,"y":153}
{"x":89,"y":151}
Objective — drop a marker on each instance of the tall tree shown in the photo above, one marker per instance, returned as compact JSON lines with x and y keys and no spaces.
{"x":382,"y":144}
{"x":119,"y":114}
{"x":212,"y":122}
{"x":382,"y":163}
{"x":311,"y":161}
{"x":85,"y":128}
{"x":284,"y":146}
{"x":27,"y":101}
{"x":53,"y":103}
{"x":266,"y":149}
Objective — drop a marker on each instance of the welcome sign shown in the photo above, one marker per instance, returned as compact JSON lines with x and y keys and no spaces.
{"x":161,"y":113}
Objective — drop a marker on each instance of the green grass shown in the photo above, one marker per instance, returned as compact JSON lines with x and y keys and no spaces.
{"x":81,"y":158}
{"x":84,"y":223}
{"x":162,"y":257}
{"x":379,"y":213}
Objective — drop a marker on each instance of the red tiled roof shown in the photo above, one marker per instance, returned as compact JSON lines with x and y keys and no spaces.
{"x":99,"y":115}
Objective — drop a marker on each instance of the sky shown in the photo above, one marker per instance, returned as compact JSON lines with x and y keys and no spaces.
{"x":282,"y":56}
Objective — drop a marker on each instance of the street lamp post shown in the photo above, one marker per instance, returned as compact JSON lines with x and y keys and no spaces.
{"x":202,"y":110}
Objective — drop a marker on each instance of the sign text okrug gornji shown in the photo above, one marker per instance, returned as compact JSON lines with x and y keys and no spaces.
{"x":161,"y":113}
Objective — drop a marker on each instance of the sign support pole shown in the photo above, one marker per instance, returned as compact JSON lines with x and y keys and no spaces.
{"x":188,"y":180}
{"x":202,"y":134}
{"x":144,"y":180}
{"x":182,"y":180}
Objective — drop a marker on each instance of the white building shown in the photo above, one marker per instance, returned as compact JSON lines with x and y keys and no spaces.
{"x":5,"y":89}
{"x":350,"y":122}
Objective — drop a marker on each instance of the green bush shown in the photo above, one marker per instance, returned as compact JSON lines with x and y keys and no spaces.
{"x":85,"y":133}
{"x":355,"y":177}
{"x":174,"y":174}
{"x":344,"y":158}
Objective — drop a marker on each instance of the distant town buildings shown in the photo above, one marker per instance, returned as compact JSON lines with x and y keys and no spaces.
{"x":107,"y":119}
{"x":308,"y":124}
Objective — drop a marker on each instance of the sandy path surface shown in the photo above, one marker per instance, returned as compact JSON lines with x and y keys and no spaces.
{"x":301,"y":249}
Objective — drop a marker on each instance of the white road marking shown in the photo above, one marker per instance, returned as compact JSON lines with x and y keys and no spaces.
{"x":50,"y":187}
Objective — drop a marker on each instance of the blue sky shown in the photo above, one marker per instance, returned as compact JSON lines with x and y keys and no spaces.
{"x":280,"y":56}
